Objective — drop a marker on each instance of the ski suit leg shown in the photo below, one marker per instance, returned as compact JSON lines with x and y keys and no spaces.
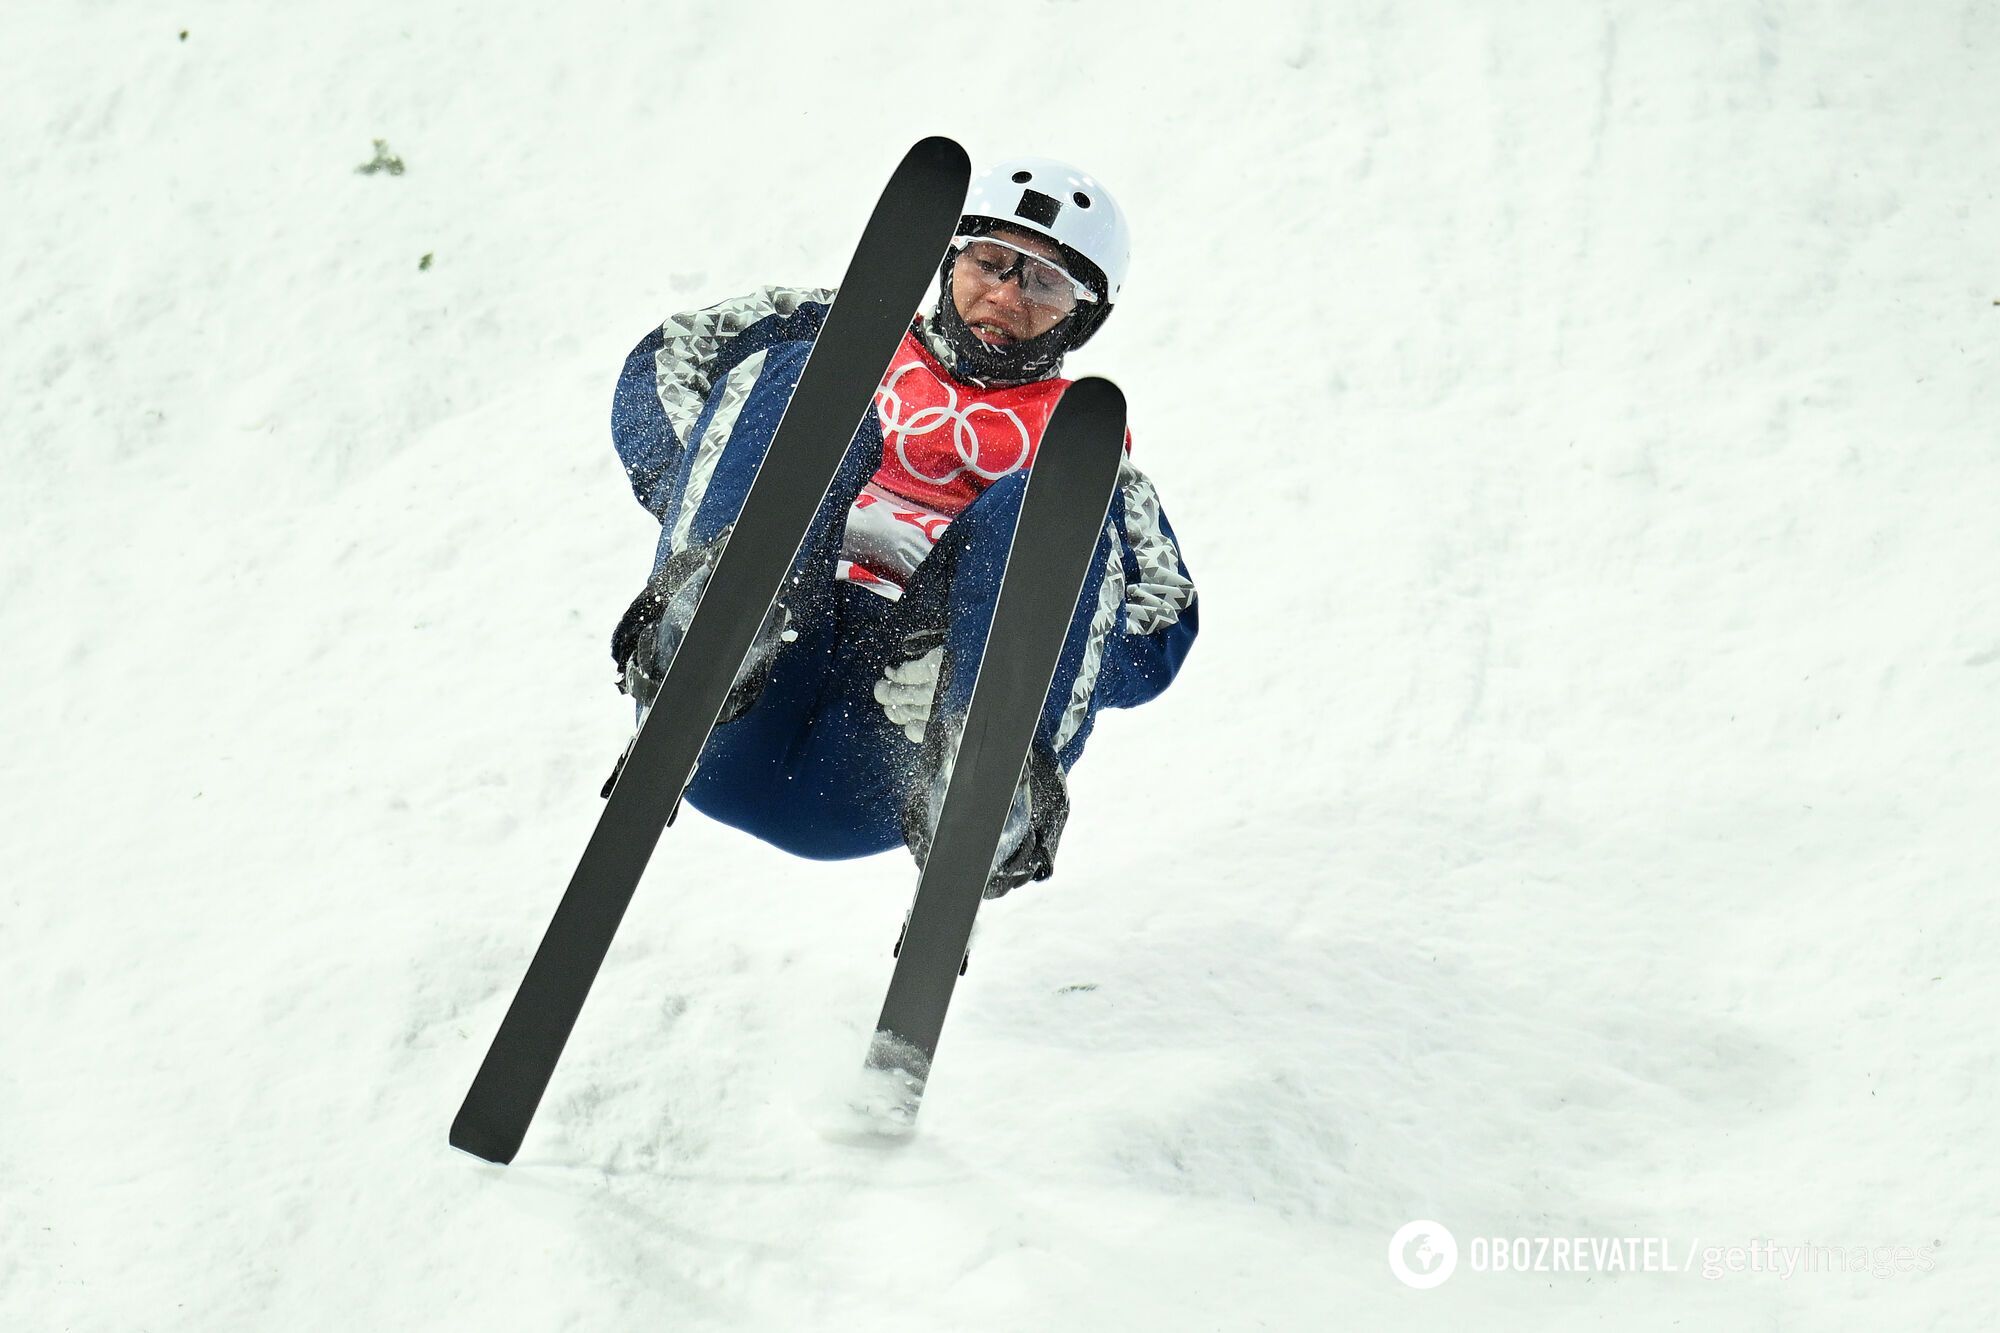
{"x":815,"y":768}
{"x":957,"y":587}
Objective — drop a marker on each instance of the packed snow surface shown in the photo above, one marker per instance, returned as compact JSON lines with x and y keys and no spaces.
{"x":1577,"y":818}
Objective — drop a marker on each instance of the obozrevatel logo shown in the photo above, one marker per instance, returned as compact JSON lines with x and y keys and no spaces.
{"x":1422,"y":1254}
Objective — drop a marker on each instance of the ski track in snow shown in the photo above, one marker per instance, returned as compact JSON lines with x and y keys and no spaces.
{"x":1574,"y":820}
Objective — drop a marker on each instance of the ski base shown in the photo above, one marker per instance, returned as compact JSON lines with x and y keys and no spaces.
{"x":1070,"y":489}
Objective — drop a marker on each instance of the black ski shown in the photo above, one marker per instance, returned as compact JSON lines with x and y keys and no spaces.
{"x":885,"y":283}
{"x":1070,"y":487}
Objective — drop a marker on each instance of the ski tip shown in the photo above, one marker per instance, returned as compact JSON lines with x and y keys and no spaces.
{"x":941,"y":154}
{"x":1096,"y":394}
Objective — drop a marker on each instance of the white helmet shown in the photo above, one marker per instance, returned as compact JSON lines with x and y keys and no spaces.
{"x":1055,"y":200}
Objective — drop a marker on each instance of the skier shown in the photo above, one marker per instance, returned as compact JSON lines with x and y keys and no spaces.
{"x":834,"y":738}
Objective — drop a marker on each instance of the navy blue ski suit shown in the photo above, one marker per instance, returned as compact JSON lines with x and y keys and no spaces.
{"x":815,"y":767}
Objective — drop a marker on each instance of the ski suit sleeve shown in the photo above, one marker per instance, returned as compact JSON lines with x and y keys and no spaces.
{"x":669,"y":377}
{"x":1148,"y":598}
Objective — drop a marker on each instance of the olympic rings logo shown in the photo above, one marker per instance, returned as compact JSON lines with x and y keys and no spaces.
{"x":925,"y":421}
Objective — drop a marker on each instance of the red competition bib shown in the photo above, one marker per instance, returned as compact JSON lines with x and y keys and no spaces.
{"x":943,"y":442}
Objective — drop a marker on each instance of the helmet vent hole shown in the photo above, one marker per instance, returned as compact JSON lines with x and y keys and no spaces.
{"x":1023,"y":177}
{"x":1082,"y":199}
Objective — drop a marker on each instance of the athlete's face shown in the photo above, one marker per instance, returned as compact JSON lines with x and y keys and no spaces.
{"x":1000,"y":313}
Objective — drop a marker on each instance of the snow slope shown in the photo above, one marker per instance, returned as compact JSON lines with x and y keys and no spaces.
{"x":1576,"y":818}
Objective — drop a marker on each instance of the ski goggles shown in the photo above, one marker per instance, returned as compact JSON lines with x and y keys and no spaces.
{"x":987,"y":261}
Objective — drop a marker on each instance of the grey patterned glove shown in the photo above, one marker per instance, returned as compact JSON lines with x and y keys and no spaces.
{"x":907,"y":689}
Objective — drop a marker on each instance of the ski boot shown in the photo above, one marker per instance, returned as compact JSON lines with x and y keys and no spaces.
{"x":1034,"y":826}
